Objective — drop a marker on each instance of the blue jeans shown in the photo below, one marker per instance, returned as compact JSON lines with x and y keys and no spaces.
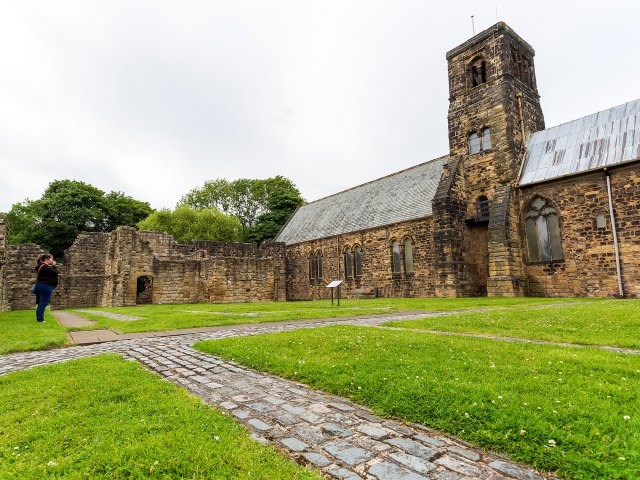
{"x":43,"y":293}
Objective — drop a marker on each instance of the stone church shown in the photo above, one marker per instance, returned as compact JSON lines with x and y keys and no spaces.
{"x":514,"y":209}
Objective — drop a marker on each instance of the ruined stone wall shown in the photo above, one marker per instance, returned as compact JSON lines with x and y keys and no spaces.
{"x":4,"y":246}
{"x":20,"y":275}
{"x":82,"y":280}
{"x":588,"y":267}
{"x":377,"y":268}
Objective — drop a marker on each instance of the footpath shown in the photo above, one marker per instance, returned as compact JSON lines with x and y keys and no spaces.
{"x":340,"y":438}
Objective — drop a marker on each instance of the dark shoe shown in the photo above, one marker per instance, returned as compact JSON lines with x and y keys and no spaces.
{"x":40,"y":321}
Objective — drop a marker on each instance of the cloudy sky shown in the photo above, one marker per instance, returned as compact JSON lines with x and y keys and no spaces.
{"x":153,"y":97}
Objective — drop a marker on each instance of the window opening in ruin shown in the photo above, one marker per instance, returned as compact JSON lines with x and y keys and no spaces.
{"x":478,"y":72}
{"x":348,"y":263}
{"x":542,"y":230}
{"x":357,"y":254}
{"x":395,"y":252}
{"x":408,"y":256}
{"x":482,"y":209}
{"x":601,"y":221}
{"x":474,"y":143}
{"x":486,"y":139}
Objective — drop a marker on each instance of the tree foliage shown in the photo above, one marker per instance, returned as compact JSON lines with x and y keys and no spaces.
{"x":261,"y":205}
{"x":68,"y":207}
{"x":187,"y":223}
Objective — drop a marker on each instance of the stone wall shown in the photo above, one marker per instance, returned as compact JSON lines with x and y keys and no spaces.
{"x":4,"y":246}
{"x":589,"y":267}
{"x":377,"y":277}
{"x":102,"y":269}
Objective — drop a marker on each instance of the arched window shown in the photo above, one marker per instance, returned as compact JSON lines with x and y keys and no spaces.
{"x":315,"y":266}
{"x":357,"y":254}
{"x":542,"y":231}
{"x":474,"y":143}
{"x":486,"y":138}
{"x":395,"y":252}
{"x":348,"y":263}
{"x":319,"y":265}
{"x":478,"y":72}
{"x":408,"y":255}
{"x":479,"y":142}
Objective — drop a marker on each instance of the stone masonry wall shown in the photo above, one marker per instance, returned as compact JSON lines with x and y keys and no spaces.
{"x":588,"y":267}
{"x":377,"y":269}
{"x":102,"y":269}
{"x":4,"y":246}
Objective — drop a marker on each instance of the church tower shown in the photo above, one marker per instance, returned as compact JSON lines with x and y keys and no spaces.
{"x":493,"y":107}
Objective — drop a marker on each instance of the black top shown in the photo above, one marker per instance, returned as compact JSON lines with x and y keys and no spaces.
{"x":48,"y":275}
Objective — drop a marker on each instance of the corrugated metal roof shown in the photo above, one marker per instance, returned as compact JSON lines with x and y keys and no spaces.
{"x":605,"y":138}
{"x":398,"y":197}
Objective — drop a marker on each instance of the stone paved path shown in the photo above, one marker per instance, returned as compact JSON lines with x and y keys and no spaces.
{"x":331,"y":433}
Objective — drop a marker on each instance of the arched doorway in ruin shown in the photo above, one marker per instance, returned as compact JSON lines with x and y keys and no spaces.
{"x":144,"y":290}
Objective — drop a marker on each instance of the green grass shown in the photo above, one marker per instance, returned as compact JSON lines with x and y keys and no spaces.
{"x":608,"y":322}
{"x":168,"y":317}
{"x":576,"y":411}
{"x":20,"y":332}
{"x":104,"y":418}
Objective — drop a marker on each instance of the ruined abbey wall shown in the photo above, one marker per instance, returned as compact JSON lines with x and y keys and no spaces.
{"x":128,"y":267}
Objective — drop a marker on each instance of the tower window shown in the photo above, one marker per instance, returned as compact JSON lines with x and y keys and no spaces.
{"x":474,"y":143}
{"x":478,"y":72}
{"x":482,"y":209}
{"x":479,"y":141}
{"x":601,"y":221}
{"x":486,"y":139}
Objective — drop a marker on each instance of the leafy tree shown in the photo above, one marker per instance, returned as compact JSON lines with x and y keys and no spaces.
{"x":247,"y":199}
{"x":67,"y":208}
{"x":187,"y":223}
{"x":123,"y":210}
{"x":281,"y":206}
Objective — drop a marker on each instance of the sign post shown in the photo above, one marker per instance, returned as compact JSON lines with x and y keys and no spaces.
{"x":335,"y":285}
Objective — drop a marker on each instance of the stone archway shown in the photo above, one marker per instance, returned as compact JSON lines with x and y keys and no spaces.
{"x":144,"y":290}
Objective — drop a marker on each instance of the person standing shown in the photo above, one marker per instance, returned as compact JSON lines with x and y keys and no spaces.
{"x":46,"y":282}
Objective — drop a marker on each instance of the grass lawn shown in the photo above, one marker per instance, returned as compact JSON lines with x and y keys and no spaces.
{"x":607,"y":322}
{"x":574,"y":411}
{"x":104,"y":417}
{"x":168,"y":317}
{"x":19,"y":332}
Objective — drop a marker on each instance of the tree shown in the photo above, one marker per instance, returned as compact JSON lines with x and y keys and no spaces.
{"x":281,"y":206}
{"x":123,"y":210}
{"x":68,"y":207}
{"x":186,"y":223}
{"x":247,"y":199}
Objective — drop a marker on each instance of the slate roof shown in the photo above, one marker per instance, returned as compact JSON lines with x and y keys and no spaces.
{"x":610,"y":137}
{"x":401,"y":196}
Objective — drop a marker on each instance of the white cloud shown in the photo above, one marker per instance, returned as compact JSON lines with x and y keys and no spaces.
{"x":152,"y":98}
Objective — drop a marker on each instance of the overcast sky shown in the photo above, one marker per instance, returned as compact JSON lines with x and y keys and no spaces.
{"x":154,"y":97}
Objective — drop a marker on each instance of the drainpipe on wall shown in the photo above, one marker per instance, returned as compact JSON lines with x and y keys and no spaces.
{"x":615,"y":233}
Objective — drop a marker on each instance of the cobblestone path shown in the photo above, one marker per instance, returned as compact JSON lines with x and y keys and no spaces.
{"x":331,"y":433}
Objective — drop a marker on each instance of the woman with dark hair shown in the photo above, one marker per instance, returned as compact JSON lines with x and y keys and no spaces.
{"x":46,"y":282}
